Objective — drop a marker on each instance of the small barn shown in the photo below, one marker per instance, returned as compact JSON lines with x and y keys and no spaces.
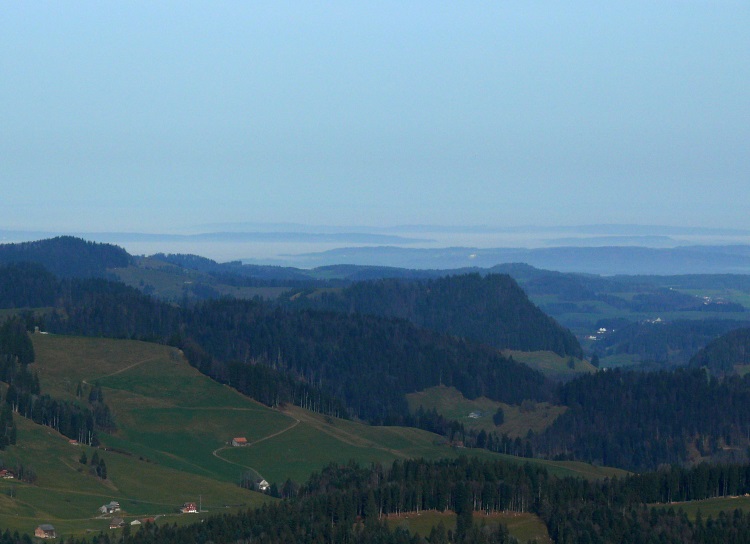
{"x":45,"y":530}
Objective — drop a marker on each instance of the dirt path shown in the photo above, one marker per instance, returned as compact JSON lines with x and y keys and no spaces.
{"x":215,"y":453}
{"x":344,"y":436}
{"x":282,"y":431}
{"x":125,"y":368}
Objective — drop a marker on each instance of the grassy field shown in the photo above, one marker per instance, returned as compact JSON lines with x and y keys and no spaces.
{"x":477,"y":413}
{"x":68,"y":495}
{"x":524,"y":527}
{"x":171,"y":282}
{"x":710,"y":507}
{"x":551,"y":364}
{"x":169,"y":413}
{"x":172,"y":443}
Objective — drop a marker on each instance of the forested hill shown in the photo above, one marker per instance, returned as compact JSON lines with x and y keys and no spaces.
{"x":640,"y":420}
{"x":276,"y":274}
{"x":490,"y":309}
{"x":67,"y":257}
{"x":721,"y":355}
{"x":277,"y":355}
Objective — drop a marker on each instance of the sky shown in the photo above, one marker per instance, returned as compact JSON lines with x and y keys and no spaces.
{"x":166,"y":116}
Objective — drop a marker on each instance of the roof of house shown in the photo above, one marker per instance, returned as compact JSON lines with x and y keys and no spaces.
{"x":239,"y":439}
{"x":46,"y":527}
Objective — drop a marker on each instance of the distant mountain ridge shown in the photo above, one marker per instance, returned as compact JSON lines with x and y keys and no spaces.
{"x":607,"y":260}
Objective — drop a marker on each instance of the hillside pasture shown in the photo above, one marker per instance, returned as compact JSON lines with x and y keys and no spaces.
{"x":551,"y":364}
{"x":477,"y":413}
{"x":68,"y":494}
{"x":524,"y":527}
{"x":172,"y":441}
{"x":710,"y":507}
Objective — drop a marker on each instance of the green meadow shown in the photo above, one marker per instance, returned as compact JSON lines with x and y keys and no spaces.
{"x":551,"y":364}
{"x":710,"y":507}
{"x":477,"y":413}
{"x":172,"y":444}
{"x":524,"y":527}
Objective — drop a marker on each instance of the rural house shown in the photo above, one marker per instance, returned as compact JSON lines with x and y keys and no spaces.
{"x":189,"y":508}
{"x":239,"y":441}
{"x":110,"y":508}
{"x":45,"y":530}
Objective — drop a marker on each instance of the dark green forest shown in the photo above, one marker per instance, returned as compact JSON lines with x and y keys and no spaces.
{"x":720,"y":355}
{"x":490,"y":309}
{"x":67,"y":257}
{"x":640,"y":421}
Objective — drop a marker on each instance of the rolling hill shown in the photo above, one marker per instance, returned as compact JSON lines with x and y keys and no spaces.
{"x":727,"y":354}
{"x":490,"y":309}
{"x":172,"y":443}
{"x":67,"y":256}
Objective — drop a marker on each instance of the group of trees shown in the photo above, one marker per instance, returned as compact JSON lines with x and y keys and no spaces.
{"x":97,"y":465}
{"x":16,"y":353}
{"x":78,"y":421}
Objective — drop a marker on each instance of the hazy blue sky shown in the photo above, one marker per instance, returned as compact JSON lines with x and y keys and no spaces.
{"x":154,"y":116}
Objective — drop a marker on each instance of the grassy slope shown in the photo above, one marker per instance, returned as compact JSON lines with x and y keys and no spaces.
{"x":524,"y":527}
{"x":170,"y":281}
{"x":551,"y":364}
{"x":709,"y":507}
{"x":171,"y":445}
{"x":169,"y":413}
{"x":67,"y":495}
{"x":450,"y":403}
